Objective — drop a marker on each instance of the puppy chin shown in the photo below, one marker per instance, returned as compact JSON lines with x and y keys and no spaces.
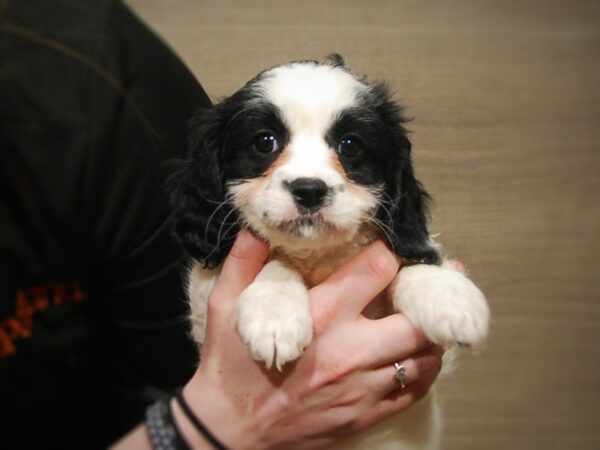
{"x":303,"y":233}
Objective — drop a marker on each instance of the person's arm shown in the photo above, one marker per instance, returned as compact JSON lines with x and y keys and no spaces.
{"x":342,"y":383}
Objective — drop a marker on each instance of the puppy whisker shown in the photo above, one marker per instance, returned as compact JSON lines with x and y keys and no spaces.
{"x":385,"y":230}
{"x":208,"y":200}
{"x":212,"y":216}
{"x":221,"y":235}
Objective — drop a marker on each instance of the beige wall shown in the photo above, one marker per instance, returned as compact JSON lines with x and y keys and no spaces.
{"x":506,"y":101}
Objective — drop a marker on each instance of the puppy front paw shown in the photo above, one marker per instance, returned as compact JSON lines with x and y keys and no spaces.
{"x":274,"y":321}
{"x":443,"y":303}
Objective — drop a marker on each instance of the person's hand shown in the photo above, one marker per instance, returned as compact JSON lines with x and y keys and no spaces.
{"x":343,"y":382}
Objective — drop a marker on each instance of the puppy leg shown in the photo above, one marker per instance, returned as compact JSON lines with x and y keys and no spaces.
{"x":274,"y":315}
{"x":200,"y":285}
{"x":443,"y":303}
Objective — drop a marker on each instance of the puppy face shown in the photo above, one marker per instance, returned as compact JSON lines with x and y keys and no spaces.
{"x":303,"y":155}
{"x":306,"y":154}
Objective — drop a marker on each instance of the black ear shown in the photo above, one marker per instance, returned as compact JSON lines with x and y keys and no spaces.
{"x":337,"y":60}
{"x":404,"y":210}
{"x":204,"y":221}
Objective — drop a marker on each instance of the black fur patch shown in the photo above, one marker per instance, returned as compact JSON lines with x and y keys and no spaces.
{"x":220,"y":153}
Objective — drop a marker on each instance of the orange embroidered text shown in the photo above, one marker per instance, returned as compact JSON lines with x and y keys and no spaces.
{"x":28,"y":302}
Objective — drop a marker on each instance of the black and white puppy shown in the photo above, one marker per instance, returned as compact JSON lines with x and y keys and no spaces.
{"x":316,"y":161}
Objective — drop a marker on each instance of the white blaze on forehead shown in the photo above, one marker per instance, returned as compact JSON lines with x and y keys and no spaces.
{"x":310,"y":157}
{"x":310,"y":95}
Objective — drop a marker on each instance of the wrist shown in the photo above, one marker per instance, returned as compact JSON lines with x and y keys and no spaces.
{"x":216,"y":410}
{"x":194,"y":439}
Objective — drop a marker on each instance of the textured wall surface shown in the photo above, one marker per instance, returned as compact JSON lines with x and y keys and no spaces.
{"x":505,"y":97}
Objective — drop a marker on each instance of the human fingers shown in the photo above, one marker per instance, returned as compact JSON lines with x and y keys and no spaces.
{"x":398,"y":400}
{"x":389,"y":338}
{"x":246,"y":258}
{"x":350,"y":288}
{"x":402,"y":373}
{"x":455,"y":264}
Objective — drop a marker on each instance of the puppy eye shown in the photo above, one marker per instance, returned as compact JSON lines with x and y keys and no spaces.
{"x":266,"y":143}
{"x":349,"y":147}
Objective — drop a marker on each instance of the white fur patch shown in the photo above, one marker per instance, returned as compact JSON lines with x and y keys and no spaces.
{"x":310,"y":95}
{"x":200,"y":284}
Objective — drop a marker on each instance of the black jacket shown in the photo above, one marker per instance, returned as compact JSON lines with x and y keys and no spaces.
{"x":92,"y":306}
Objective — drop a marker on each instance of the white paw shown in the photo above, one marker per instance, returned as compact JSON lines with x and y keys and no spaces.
{"x":443,"y":303}
{"x":274,"y":321}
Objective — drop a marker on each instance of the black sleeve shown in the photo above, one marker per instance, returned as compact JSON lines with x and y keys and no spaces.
{"x":138,"y":268}
{"x":92,"y":108}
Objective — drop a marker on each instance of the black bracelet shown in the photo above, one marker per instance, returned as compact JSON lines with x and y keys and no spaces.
{"x":197,"y":423}
{"x":162,"y":430}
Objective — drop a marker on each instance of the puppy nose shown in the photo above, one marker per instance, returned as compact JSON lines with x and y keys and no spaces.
{"x":308,"y":192}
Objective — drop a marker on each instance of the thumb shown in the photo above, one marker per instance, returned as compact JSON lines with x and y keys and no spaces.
{"x":244,"y":262}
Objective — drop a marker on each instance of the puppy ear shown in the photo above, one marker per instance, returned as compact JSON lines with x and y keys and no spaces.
{"x":203,"y":219}
{"x":409,"y":213}
{"x":336,"y":60}
{"x":404,"y":210}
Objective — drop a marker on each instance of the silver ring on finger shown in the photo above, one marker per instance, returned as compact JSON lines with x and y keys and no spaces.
{"x":400,"y":374}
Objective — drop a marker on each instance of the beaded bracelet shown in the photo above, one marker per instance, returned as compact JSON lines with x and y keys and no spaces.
{"x":162,"y":430}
